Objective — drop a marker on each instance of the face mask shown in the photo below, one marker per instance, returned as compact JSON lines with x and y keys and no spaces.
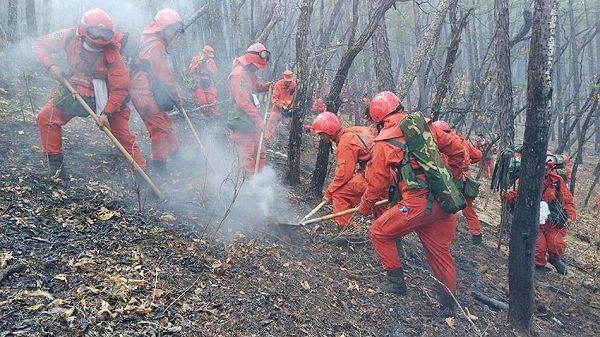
{"x":87,"y":47}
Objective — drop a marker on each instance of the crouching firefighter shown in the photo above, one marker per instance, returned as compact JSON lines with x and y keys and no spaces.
{"x":354,"y":146}
{"x":429,"y":197}
{"x":97,"y":72}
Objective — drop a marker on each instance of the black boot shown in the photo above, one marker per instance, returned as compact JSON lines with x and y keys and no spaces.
{"x":396,"y":284}
{"x":447,"y":302}
{"x":159,"y":167}
{"x":400,"y":248}
{"x":56,"y":170}
{"x":477,"y":240}
{"x":559,"y":265}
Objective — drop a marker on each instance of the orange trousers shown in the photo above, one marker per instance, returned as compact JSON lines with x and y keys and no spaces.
{"x":207,"y":96}
{"x":435,"y":230}
{"x":51,"y":119}
{"x":471,"y":216}
{"x":158,"y":123}
{"x":348,"y":196}
{"x":551,"y":240}
{"x":247,"y":146}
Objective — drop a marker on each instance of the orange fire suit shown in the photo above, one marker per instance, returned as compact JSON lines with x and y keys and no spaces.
{"x":348,"y":184}
{"x":282,"y":96}
{"x":435,"y":230}
{"x":158,"y":123}
{"x":85,"y":66}
{"x":551,"y":238}
{"x":244,"y":121}
{"x":204,"y":69}
{"x":488,"y":161}
{"x":474,"y":157}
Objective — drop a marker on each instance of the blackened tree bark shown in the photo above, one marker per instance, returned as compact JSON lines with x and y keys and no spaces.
{"x":381,"y":51}
{"x":524,"y":229}
{"x":333,"y":100}
{"x":303,"y":93}
{"x":442,"y":87}
{"x":503,"y":75}
{"x":423,"y":49}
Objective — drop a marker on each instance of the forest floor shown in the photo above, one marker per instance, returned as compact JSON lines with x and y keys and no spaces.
{"x":101,"y":256}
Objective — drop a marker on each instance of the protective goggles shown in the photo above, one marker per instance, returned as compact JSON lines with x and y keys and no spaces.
{"x":263,"y":54}
{"x":99,"y":33}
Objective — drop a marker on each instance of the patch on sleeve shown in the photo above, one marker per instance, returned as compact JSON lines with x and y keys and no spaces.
{"x":56,"y":35}
{"x":242,"y":84}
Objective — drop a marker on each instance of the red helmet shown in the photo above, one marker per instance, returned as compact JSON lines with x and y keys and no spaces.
{"x":96,"y":26}
{"x":166,"y":17}
{"x":209,"y":51}
{"x":326,"y":122}
{"x":383,"y":104}
{"x":258,"y":55}
{"x":442,"y":125}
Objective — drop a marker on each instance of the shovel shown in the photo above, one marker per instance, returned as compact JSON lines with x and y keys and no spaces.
{"x":331,"y":216}
{"x":314,"y":210}
{"x":114,"y":140}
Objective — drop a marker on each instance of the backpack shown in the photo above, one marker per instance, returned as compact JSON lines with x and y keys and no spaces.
{"x":420,"y":145}
{"x":561,"y":169}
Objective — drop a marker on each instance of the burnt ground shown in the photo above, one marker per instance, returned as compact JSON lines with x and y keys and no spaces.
{"x":101,"y":256}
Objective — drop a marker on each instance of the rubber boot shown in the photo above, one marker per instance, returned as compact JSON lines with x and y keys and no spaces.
{"x":396,"y":284}
{"x":447,"y":304}
{"x":559,"y":265}
{"x":400,"y":248}
{"x":477,"y":240}
{"x":540,"y":271}
{"x":56,"y":171}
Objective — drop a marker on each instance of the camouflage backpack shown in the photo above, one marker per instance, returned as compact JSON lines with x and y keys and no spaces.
{"x":561,"y":170}
{"x":420,"y":145}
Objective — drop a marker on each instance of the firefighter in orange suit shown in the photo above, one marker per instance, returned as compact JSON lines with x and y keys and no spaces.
{"x":473,"y":157}
{"x":244,"y":120}
{"x":551,"y":235}
{"x":204,"y":68}
{"x":354,"y":146}
{"x":436,"y":230}
{"x":283,"y":103}
{"x":92,"y":51}
{"x":151,"y":63}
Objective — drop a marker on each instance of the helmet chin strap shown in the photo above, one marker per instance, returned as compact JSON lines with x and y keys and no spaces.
{"x":88,"y":47}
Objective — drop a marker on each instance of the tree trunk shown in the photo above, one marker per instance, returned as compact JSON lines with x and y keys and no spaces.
{"x":381,"y":51}
{"x":444,"y":83}
{"x":504,"y":75}
{"x":32,"y":27}
{"x":333,"y":99}
{"x":11,"y":21}
{"x":302,"y":100}
{"x":524,"y":229}
{"x":423,"y":49}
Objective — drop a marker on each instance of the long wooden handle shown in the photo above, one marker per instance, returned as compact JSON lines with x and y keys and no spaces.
{"x":311,"y":213}
{"x":202,"y":148}
{"x":262,"y":133}
{"x":335,"y":215}
{"x":113,"y":139}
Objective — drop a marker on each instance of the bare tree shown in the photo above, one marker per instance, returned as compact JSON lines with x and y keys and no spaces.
{"x":333,"y":99}
{"x":423,"y":49}
{"x":525,"y":226}
{"x":442,"y":87}
{"x":504,"y":75}
{"x":303,"y":90}
{"x":381,"y":50}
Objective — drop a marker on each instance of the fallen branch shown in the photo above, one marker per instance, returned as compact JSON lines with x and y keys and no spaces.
{"x":17,"y":268}
{"x":494,"y":303}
